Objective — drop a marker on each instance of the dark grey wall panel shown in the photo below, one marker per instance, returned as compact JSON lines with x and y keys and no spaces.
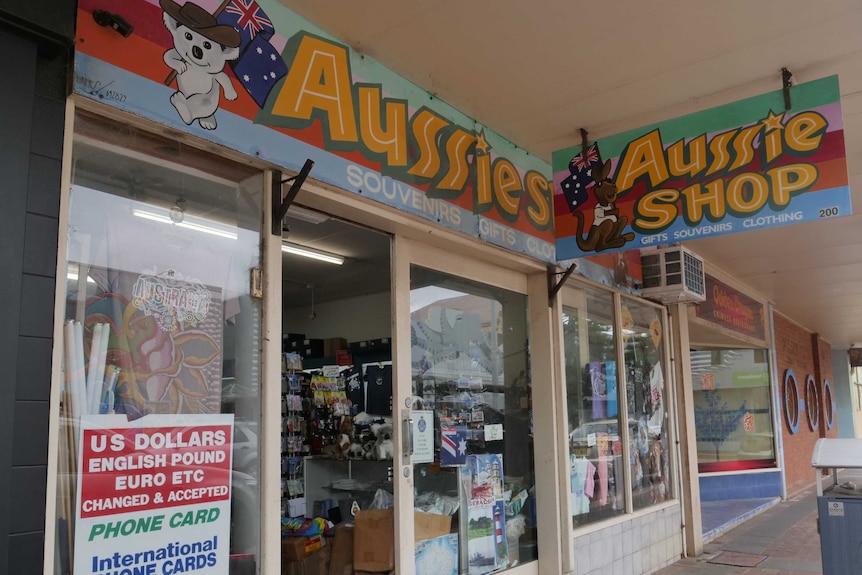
{"x":16,"y":105}
{"x":56,"y":17}
{"x":32,"y":108}
{"x":25,"y":552}
{"x":34,"y":369}
{"x":47,"y":135}
{"x":44,"y":175}
{"x":37,"y":306}
{"x":28,"y":499}
{"x":30,"y":433}
{"x":40,"y":245}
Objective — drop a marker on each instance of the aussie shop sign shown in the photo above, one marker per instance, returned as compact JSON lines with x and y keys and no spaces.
{"x":154,"y":495}
{"x":257,"y":78}
{"x":739,"y":167}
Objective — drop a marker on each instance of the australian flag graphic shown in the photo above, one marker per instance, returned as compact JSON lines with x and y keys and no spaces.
{"x":259,"y":66}
{"x":580,"y":177}
{"x":453,"y":445}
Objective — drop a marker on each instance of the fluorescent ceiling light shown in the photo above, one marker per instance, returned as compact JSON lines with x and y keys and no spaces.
{"x":306,"y":215}
{"x":74,"y":277}
{"x":188,"y":223}
{"x":306,"y":252}
{"x":72,"y":274}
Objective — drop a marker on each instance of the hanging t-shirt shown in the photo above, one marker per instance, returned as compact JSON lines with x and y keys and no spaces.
{"x":656,"y":385}
{"x":355,"y":390}
{"x":598,"y":384}
{"x":611,"y":386}
{"x":378,"y":384}
{"x":602,"y":439}
{"x":580,"y":469}
{"x":590,"y":487}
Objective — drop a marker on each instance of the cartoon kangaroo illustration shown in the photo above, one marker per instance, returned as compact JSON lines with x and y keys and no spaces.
{"x":608,"y":224}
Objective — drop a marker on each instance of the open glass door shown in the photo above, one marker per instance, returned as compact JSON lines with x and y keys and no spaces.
{"x":472,"y":461}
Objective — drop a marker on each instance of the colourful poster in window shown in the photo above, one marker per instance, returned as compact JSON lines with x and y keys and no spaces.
{"x":743,"y":166}
{"x":164,"y":339}
{"x":154,"y":494}
{"x":487,"y":547}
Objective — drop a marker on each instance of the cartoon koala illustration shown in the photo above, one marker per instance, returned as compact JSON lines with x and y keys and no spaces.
{"x":201,"y":49}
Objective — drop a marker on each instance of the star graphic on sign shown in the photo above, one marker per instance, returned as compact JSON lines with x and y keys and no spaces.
{"x":482,"y":146}
{"x":773,"y":122}
{"x":462,"y":447}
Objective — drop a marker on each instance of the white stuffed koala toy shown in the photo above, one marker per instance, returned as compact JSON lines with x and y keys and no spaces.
{"x":201,"y":49}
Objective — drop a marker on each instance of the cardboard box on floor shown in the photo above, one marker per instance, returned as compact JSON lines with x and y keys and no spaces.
{"x":341,"y":562}
{"x":298,"y":548}
{"x":374,"y":537}
{"x":430,"y":525}
{"x":317,"y":563}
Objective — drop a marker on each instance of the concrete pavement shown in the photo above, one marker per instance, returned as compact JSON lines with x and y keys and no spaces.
{"x":782,"y":540}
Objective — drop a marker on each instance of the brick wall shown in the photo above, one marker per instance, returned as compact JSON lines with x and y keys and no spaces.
{"x":806,"y":354}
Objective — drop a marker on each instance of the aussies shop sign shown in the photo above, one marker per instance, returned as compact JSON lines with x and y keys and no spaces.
{"x":739,"y":167}
{"x":257,"y":78}
{"x":154,"y":495}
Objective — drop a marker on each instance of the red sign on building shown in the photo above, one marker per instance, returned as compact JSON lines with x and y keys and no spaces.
{"x":731,"y":309}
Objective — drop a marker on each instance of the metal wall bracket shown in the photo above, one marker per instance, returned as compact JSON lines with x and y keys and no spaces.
{"x":785,"y":85}
{"x":280,"y":204}
{"x":554,"y":285}
{"x":585,"y":141}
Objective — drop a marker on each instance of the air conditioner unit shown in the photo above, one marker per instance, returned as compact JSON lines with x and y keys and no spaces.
{"x":672,"y":275}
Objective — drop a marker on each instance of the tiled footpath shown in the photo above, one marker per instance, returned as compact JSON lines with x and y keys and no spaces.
{"x":785,"y":533}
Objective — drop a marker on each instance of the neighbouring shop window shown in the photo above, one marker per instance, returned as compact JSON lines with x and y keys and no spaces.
{"x":732,"y":409}
{"x":593,"y":398}
{"x":160,"y":410}
{"x":649,"y":452}
{"x":474,"y":473}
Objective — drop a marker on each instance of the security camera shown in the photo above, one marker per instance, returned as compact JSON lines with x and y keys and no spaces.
{"x":115,"y":21}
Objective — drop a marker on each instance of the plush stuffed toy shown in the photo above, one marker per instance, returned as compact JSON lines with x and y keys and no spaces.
{"x":345,"y":437}
{"x":356,"y":451}
{"x":383,"y":445}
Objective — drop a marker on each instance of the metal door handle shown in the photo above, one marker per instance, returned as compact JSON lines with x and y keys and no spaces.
{"x":406,"y":433}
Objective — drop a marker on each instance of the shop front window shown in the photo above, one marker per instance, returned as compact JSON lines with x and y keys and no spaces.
{"x":646,"y":398}
{"x":158,"y":468}
{"x":593,"y":397}
{"x":732,"y":409}
{"x":611,"y":463}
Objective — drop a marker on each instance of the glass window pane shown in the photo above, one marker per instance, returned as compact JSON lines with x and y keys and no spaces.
{"x":471,"y":386}
{"x":643,"y":337}
{"x":595,"y":448}
{"x":732,"y":409}
{"x":161,"y":352}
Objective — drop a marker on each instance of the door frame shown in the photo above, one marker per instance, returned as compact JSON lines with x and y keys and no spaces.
{"x":408,"y":252}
